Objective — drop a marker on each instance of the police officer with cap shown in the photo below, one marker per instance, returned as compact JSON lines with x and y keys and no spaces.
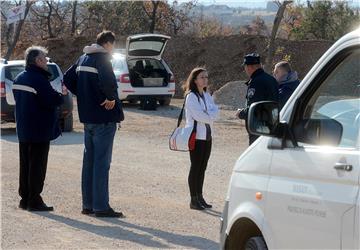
{"x":261,"y":87}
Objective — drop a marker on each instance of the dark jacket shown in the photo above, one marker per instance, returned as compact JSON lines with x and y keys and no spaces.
{"x":261,"y":87}
{"x":92,"y":80}
{"x":36,"y":106}
{"x":287,"y":86}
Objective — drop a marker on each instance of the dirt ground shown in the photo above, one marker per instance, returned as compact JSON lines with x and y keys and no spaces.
{"x":148,"y":182}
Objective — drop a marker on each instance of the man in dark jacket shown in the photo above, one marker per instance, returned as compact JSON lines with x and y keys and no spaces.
{"x":36,"y":125}
{"x":93,"y":82}
{"x":261,"y":87}
{"x":288,"y":81}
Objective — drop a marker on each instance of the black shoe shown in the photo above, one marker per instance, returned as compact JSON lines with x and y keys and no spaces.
{"x":23,"y":205}
{"x":87,"y":211}
{"x":203,"y":202}
{"x":196,"y":205}
{"x":109,"y":213}
{"x":41,"y":207}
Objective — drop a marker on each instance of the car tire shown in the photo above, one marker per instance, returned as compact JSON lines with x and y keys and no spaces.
{"x":255,"y":243}
{"x":165,"y":102}
{"x":67,"y":125}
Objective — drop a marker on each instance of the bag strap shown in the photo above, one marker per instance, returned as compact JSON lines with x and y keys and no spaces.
{"x":182,"y":112}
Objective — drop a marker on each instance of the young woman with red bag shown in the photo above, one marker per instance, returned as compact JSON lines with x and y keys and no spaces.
{"x":199,"y":107}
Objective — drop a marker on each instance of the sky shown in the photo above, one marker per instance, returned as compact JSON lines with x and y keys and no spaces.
{"x":233,"y":3}
{"x":255,"y":3}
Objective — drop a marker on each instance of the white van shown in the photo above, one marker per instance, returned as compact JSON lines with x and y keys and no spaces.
{"x":297,"y":186}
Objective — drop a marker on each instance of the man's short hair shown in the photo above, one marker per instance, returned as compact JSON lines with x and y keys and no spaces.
{"x":104,"y":37}
{"x":284,"y":65}
{"x":32,"y":53}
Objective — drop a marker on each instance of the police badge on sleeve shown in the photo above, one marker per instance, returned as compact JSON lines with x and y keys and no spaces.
{"x":251,"y":93}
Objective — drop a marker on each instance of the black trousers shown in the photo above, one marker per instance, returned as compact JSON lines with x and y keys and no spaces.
{"x":199,"y":158}
{"x":33,"y":164}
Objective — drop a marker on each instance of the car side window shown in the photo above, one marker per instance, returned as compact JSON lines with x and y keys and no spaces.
{"x":12,"y":71}
{"x":118,"y":64}
{"x":53,"y":71}
{"x":332,"y":114}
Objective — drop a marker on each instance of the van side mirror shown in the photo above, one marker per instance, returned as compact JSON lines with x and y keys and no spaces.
{"x":263,"y":118}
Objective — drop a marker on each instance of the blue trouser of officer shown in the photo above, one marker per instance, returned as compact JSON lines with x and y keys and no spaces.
{"x":99,"y":140}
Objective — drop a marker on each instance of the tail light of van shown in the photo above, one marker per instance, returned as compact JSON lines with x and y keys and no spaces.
{"x":124,"y":78}
{"x":2,"y":89}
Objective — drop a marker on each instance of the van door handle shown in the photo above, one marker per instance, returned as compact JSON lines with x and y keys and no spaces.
{"x":343,"y":166}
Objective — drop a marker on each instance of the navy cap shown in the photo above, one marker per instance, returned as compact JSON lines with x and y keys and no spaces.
{"x":251,"y":59}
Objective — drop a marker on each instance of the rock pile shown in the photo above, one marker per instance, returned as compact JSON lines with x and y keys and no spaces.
{"x":231,"y":95}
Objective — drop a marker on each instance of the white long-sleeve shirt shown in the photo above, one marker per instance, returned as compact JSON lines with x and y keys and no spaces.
{"x":195,"y":109}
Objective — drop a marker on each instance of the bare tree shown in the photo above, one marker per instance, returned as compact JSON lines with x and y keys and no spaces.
{"x":73,"y":18}
{"x":13,"y":30}
{"x":178,"y":18}
{"x":51,"y":17}
{"x":151,"y":13}
{"x":277,"y":21}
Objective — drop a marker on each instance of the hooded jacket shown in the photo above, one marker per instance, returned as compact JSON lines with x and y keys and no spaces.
{"x":36,"y":106}
{"x":287,"y":86}
{"x":92,"y":80}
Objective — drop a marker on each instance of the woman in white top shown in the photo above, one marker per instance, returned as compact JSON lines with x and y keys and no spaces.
{"x":199,"y":107}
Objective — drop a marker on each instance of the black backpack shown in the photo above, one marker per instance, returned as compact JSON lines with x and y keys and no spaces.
{"x":148,"y":103}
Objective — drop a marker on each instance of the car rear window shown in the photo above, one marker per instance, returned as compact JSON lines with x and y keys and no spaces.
{"x":149,"y":48}
{"x":12,"y":71}
{"x":54,"y":72}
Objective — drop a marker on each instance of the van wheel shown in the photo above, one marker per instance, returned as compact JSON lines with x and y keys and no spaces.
{"x":165,"y":102}
{"x":256,"y":243}
{"x":67,"y":125}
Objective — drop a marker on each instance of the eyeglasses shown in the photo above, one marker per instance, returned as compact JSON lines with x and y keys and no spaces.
{"x":203,"y":77}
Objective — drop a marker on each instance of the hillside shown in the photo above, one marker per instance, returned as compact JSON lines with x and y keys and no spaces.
{"x":221,"y":55}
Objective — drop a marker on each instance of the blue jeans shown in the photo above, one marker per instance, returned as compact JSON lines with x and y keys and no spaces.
{"x":96,"y":165}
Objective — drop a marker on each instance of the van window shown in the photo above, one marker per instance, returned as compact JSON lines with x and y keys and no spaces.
{"x":338,"y":99}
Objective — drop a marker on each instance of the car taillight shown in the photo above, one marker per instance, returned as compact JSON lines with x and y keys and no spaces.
{"x":172,"y":78}
{"x":2,"y":89}
{"x":124,"y":78}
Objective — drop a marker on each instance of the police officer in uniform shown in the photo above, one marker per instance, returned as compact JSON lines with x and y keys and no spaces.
{"x":261,"y":87}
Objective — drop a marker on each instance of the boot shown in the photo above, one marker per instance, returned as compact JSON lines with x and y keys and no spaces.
{"x":203,"y":202}
{"x":195,"y":204}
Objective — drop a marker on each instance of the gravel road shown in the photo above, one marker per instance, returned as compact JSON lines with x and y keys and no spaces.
{"x":148,"y":182}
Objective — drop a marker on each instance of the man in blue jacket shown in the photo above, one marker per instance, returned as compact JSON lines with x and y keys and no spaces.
{"x":261,"y":87}
{"x":288,"y":81}
{"x":93,"y":81}
{"x":36,"y":125}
